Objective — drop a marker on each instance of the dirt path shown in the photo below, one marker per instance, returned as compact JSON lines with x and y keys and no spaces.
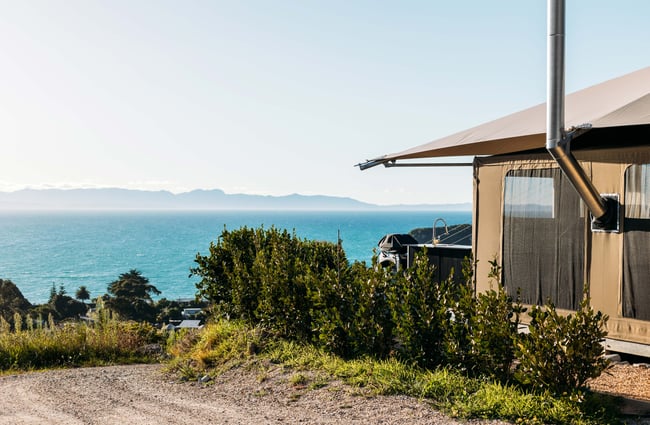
{"x":142,"y":394}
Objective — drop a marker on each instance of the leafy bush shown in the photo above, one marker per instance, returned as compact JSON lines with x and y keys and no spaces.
{"x":562,"y":352}
{"x":264,"y":277}
{"x":225,"y":273}
{"x":443,"y":323}
{"x":284,"y":269}
{"x":481,"y":338}
{"x":332,"y":310}
{"x":420,"y":312}
{"x":493,"y":329}
{"x":349,"y":310}
{"x":307,"y":291}
{"x":370,"y":330}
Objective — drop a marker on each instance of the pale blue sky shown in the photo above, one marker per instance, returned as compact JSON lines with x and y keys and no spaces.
{"x":279,"y":97}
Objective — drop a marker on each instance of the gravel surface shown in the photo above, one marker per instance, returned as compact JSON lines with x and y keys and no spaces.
{"x":143,"y":394}
{"x":625,"y":380}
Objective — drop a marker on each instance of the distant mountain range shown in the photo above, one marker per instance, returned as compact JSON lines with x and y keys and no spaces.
{"x":215,"y":199}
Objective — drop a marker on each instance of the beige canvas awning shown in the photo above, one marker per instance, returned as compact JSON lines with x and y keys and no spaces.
{"x":621,"y":101}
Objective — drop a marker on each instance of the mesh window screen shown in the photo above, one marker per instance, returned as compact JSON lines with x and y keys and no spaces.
{"x":543,"y":238}
{"x":636,"y":249}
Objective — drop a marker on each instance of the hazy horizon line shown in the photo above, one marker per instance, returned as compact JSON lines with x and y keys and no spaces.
{"x":97,"y":187}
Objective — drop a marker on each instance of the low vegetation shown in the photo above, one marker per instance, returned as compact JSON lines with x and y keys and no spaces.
{"x":302,"y":291}
{"x":307,"y":291}
{"x":33,"y":343}
{"x":128,"y":298}
{"x":277,"y":299}
{"x":67,"y":332}
{"x":228,"y":344}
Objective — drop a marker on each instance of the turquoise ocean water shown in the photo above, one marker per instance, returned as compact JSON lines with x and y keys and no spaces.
{"x":38,"y":249}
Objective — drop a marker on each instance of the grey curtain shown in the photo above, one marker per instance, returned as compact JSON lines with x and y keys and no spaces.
{"x":543,"y":238}
{"x":636,"y":245}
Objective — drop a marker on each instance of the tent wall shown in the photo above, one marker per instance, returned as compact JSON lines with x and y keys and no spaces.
{"x":603,"y":252}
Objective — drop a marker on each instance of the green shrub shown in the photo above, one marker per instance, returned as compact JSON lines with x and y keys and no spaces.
{"x":264,"y":277}
{"x":562,"y":352}
{"x":371,"y":327}
{"x":282,"y":270}
{"x":482,"y":335}
{"x":420,"y":312}
{"x":225,"y":273}
{"x":493,"y":329}
{"x":307,"y":291}
{"x":461,"y":307}
{"x":332,"y":302}
{"x":349,"y":310}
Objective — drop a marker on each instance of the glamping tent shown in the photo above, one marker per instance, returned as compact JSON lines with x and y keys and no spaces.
{"x":527,"y":214}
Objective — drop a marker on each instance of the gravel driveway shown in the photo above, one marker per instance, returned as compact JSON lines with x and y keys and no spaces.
{"x":142,"y":394}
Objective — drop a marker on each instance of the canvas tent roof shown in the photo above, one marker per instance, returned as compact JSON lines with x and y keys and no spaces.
{"x":618,"y":102}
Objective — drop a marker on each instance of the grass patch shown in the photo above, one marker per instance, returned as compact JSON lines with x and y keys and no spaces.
{"x":218,"y":347}
{"x":74,"y":344}
{"x":225,"y":344}
{"x":298,"y":380}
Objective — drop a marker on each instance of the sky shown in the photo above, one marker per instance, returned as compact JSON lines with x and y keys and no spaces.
{"x":278,"y":97}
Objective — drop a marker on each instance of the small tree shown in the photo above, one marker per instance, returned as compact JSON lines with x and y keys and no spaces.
{"x":130,"y":297}
{"x":60,"y":305}
{"x":52,"y":293}
{"x":63,"y":306}
{"x":82,"y":294}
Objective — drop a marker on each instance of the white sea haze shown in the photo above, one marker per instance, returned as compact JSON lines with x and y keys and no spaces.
{"x":39,"y":249}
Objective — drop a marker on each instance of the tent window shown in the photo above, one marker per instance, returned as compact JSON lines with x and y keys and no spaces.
{"x":543,"y":238}
{"x":529,"y":197}
{"x":636,"y":263}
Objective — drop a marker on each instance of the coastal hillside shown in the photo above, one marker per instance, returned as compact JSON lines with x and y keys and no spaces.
{"x":215,"y":199}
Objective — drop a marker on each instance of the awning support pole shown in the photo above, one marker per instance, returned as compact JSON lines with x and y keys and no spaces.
{"x":393,"y":163}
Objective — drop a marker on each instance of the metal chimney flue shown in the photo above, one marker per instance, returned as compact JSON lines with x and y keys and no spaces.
{"x":555,"y":74}
{"x":604,"y":210}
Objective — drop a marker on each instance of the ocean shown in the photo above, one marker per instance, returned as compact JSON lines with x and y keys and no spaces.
{"x":39,"y":249}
